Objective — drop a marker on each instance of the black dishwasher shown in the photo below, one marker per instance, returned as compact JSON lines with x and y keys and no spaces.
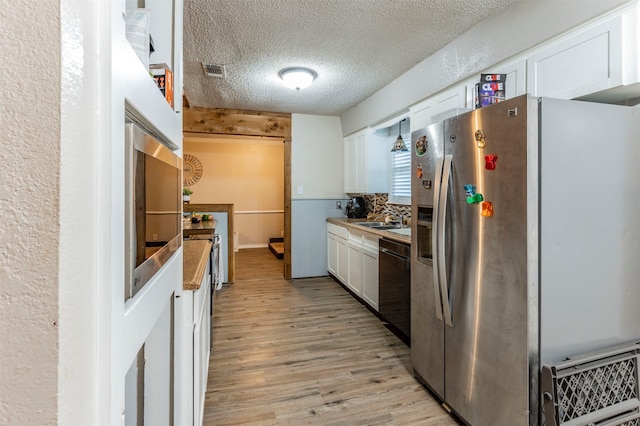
{"x":394,"y":276}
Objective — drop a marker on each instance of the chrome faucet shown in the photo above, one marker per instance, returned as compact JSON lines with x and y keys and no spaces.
{"x":399,"y":216}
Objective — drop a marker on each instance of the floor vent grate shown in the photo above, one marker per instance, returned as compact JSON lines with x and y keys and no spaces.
{"x":596,"y":389}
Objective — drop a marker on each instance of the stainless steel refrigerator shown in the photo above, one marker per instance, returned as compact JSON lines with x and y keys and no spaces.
{"x":525,"y":248}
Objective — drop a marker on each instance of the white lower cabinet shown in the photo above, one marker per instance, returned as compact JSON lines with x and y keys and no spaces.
{"x":196,"y":349}
{"x":353,"y":260}
{"x":332,"y":254}
{"x":337,"y":251}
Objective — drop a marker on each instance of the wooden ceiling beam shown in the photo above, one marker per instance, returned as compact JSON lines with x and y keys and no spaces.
{"x":224,"y":121}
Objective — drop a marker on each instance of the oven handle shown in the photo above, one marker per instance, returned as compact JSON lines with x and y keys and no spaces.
{"x":391,"y":253}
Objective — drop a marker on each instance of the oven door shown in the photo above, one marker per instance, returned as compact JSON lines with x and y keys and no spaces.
{"x":153,"y":207}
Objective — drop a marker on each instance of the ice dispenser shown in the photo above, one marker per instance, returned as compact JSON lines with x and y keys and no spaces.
{"x":423,"y":237}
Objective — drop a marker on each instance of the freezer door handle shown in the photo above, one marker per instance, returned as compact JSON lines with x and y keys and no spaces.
{"x":434,"y":239}
{"x":441,"y":250}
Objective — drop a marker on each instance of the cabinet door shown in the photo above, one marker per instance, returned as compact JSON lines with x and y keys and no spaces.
{"x":197,"y":365}
{"x":332,"y":255}
{"x":452,"y":102}
{"x":582,"y":63}
{"x":370,"y":277}
{"x":354,"y":166}
{"x":354,"y":270}
{"x":421,"y":114}
{"x":515,"y":83}
{"x":201,"y":345}
{"x":341,"y":257}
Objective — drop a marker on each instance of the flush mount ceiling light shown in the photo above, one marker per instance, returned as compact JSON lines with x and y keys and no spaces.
{"x":399,"y":144}
{"x":297,"y":77}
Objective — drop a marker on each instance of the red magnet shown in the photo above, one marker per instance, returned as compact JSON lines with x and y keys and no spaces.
{"x":419,"y":171}
{"x":490,"y":161}
{"x":487,"y":209}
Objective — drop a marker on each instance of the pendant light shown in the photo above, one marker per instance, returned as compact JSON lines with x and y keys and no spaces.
{"x":399,"y":144}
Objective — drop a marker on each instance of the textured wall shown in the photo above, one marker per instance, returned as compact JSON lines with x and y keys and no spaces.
{"x":29,"y":187}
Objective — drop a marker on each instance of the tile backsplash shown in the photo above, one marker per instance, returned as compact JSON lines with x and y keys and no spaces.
{"x":378,"y":205}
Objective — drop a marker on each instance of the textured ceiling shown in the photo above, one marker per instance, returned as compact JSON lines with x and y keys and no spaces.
{"x":356,"y":47}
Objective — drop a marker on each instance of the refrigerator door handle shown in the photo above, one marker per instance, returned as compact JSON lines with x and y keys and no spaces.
{"x":434,"y":238}
{"x":442,"y":261}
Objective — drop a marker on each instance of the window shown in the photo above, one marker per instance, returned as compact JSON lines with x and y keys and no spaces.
{"x":400,"y":167}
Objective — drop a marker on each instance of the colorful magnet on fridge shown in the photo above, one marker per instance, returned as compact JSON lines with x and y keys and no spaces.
{"x":470,"y":190}
{"x":490,"y":161}
{"x":475,"y":199}
{"x":421,"y":145}
{"x":419,"y":171}
{"x":487,"y":209}
{"x":480,"y":138}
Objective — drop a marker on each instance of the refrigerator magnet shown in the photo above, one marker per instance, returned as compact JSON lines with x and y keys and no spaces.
{"x":421,"y":145}
{"x":469,"y":190}
{"x":480,"y":138}
{"x":487,"y":209}
{"x":490,"y":161}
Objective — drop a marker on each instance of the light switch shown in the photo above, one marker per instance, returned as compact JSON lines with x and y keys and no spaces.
{"x":300,"y":189}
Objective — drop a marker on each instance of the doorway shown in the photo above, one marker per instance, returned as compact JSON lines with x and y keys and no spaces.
{"x":249,"y":173}
{"x":199,"y":121}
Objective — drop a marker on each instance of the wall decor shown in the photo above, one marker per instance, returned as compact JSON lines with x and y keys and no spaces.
{"x":191,"y":170}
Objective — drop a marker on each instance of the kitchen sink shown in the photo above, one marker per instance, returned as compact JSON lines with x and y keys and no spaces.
{"x":401,"y":231}
{"x":380,"y":225}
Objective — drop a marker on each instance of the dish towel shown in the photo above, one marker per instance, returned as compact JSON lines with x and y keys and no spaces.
{"x":217,"y":247}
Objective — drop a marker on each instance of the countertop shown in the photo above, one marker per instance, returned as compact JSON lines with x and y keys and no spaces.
{"x":195,"y":254}
{"x":353,"y":223}
{"x":207,"y":225}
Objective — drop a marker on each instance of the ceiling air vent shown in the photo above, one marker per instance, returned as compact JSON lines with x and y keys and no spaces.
{"x":213,"y":70}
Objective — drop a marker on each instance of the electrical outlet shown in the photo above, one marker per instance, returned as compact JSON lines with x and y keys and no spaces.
{"x":155,"y":237}
{"x":338,"y":205}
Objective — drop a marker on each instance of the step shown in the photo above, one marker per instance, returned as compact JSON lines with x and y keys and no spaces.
{"x":276,"y":245}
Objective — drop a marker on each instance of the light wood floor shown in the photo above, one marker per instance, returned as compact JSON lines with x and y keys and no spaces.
{"x":306,"y":352}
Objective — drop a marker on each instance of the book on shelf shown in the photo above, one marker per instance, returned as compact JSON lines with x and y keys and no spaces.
{"x":490,"y":90}
{"x":163,"y":77}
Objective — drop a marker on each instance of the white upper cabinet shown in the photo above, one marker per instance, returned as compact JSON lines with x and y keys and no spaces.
{"x":602,"y":56}
{"x":515,"y":82}
{"x":365,"y":163}
{"x":451,"y":101}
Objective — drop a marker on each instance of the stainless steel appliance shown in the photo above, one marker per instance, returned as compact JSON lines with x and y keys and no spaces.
{"x":394,"y":283}
{"x":153,"y":215}
{"x":524,"y":250}
{"x":356,"y":208}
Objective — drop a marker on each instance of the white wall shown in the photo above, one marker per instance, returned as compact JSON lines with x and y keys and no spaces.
{"x":317,"y":157}
{"x":317,"y":164}
{"x":518,"y":27}
{"x":29,"y":206}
